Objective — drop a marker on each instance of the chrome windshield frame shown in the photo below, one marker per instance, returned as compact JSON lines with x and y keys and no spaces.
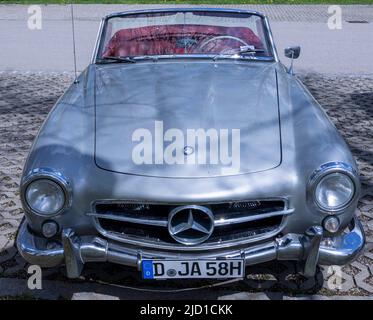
{"x":268,"y":34}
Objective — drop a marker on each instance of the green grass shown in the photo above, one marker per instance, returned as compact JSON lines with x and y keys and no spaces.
{"x":217,"y":2}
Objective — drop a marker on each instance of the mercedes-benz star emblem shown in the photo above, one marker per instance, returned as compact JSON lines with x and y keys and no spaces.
{"x":190,"y":224}
{"x":188,"y":150}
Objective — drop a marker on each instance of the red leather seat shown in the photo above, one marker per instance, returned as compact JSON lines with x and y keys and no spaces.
{"x":163,"y":39}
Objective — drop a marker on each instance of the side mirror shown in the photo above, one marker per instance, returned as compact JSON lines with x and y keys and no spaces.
{"x":292,"y":53}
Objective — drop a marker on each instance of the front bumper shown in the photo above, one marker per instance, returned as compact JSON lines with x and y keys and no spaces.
{"x":309,"y":248}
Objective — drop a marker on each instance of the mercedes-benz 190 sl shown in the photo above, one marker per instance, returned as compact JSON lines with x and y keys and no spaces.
{"x":186,"y":149}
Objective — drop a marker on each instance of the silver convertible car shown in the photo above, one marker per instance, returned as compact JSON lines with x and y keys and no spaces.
{"x":186,"y":149}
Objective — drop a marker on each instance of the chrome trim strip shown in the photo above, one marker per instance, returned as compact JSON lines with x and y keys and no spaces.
{"x":126,"y":218}
{"x":164,"y":222}
{"x":266,"y":26}
{"x":214,"y":57}
{"x":197,"y":9}
{"x":97,"y":41}
{"x":202,"y":203}
{"x":271,"y":40}
{"x":229,"y":221}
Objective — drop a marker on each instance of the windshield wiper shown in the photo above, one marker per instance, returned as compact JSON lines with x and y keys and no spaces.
{"x":116,"y":60}
{"x":153,"y":58}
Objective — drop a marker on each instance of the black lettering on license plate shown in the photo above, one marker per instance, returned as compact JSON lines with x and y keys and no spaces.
{"x":166,"y":269}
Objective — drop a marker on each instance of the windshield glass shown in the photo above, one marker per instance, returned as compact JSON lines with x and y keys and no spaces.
{"x":184,"y":33}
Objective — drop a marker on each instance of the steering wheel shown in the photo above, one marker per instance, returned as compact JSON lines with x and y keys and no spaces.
{"x":204,"y":44}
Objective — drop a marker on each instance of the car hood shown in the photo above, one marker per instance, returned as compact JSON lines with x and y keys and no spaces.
{"x":139,"y":104}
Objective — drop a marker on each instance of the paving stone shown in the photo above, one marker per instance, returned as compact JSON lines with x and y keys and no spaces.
{"x":362,"y":276}
{"x":3,"y":241}
{"x":332,"y":282}
{"x":245,"y":296}
{"x":370,"y":225}
{"x":279,"y":296}
{"x":92,"y":296}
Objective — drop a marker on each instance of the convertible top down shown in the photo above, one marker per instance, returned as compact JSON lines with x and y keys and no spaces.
{"x":186,"y":149}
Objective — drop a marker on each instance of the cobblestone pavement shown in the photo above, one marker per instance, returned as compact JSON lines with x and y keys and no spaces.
{"x":25,"y":100}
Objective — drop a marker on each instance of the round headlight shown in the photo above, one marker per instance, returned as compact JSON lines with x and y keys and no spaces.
{"x":45,"y":196}
{"x":334,"y":191}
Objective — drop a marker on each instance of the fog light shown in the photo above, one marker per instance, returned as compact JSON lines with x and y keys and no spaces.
{"x":49,"y":229}
{"x":331,"y":224}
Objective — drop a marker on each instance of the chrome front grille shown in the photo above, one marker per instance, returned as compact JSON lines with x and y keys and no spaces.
{"x":146,"y":224}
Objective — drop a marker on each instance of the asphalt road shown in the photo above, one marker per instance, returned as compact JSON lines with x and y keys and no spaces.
{"x":345,"y":51}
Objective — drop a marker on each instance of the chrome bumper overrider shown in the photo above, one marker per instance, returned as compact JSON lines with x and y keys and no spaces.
{"x":74,"y":251}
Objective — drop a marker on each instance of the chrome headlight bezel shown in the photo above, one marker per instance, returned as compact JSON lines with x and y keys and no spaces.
{"x":48,"y":174}
{"x":326,"y":169}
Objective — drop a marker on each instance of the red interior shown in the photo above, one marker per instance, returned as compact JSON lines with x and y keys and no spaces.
{"x":165,"y":39}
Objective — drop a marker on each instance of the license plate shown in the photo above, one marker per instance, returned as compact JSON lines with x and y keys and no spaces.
{"x":176,"y":269}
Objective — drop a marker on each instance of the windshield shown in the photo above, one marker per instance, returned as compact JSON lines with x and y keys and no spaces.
{"x":184,"y":33}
